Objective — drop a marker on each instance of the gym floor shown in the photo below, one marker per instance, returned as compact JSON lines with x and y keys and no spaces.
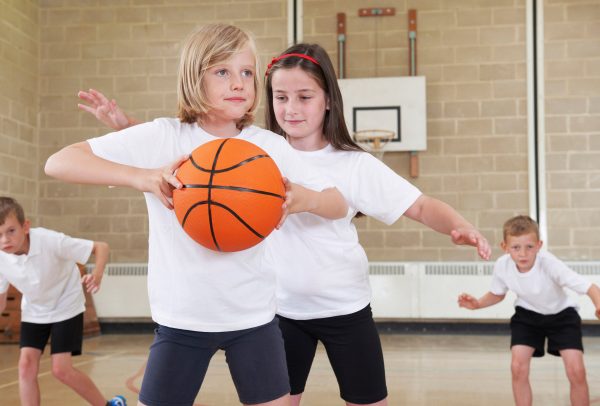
{"x":421,"y":370}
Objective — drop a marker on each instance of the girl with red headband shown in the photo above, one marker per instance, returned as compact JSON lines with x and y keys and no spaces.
{"x":323,"y":291}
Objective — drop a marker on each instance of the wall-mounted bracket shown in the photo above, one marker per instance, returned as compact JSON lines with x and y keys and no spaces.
{"x":376,"y":11}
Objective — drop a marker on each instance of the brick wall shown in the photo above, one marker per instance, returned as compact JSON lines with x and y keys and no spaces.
{"x":471,"y":51}
{"x":128,"y":50}
{"x":473,"y":56}
{"x":19,"y":72}
{"x":572,"y":67}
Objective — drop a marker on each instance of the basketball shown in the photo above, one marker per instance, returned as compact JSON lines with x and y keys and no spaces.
{"x":231,"y":196}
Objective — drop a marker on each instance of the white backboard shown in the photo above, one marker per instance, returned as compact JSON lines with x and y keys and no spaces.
{"x":390,"y":103}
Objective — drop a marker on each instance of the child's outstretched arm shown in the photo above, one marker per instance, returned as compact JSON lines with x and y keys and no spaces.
{"x":594,"y":294}
{"x":92,"y":281}
{"x":442,"y":218}
{"x":77,"y":163}
{"x":470,"y":302}
{"x":329,"y":203}
{"x":106,"y":111}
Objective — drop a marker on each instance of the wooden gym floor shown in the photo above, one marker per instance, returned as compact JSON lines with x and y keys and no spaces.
{"x":421,"y":370}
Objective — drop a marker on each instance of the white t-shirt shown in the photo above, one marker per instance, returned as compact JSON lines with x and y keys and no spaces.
{"x":47,"y":276}
{"x":322,"y":269}
{"x":542,"y":288}
{"x":191,"y":287}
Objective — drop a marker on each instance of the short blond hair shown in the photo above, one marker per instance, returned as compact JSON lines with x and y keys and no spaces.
{"x":520,"y":225}
{"x":204,"y":48}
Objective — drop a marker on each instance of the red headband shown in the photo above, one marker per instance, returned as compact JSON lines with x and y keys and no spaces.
{"x":303,"y":56}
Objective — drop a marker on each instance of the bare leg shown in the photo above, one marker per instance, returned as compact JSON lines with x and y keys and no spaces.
{"x":521,"y":360}
{"x":575,"y":368}
{"x":282,"y":401}
{"x":295,"y":399}
{"x":380,"y":403}
{"x":29,"y":364}
{"x":63,"y":370}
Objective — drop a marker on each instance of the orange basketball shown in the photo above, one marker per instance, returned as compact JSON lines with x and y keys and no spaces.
{"x":232,"y":195}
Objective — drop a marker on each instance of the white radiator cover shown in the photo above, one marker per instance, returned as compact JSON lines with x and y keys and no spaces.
{"x":425,"y":291}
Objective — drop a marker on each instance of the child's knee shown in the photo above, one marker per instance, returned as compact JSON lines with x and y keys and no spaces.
{"x":28,"y":368}
{"x":61,"y":371}
{"x":519,"y":369}
{"x":576,"y":373}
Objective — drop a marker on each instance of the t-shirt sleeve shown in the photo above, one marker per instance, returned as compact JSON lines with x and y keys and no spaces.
{"x":142,"y":146}
{"x":377,"y":191}
{"x":498,"y":286}
{"x":565,"y":276}
{"x":74,"y":249}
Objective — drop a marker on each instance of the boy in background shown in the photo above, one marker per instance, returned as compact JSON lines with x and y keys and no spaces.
{"x":543,"y":308}
{"x":42,"y":265}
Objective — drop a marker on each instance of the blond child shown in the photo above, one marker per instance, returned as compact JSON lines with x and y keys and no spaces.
{"x":42,"y":265}
{"x":543,"y":308}
{"x":203,"y":300}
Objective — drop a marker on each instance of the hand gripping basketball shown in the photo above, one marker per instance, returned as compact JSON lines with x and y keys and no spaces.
{"x":232,"y":195}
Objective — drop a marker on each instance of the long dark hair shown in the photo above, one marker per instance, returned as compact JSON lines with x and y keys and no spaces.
{"x":334,"y":125}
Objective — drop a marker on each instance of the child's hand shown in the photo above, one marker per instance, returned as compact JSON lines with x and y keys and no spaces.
{"x":470,"y":236}
{"x":106,"y":111}
{"x":161,"y":181}
{"x":467,"y":301}
{"x":286,"y":204}
{"x":91,"y":281}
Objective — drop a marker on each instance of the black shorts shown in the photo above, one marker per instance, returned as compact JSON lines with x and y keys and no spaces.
{"x":67,"y":335}
{"x":563,"y":330}
{"x":353,"y":347}
{"x":179,"y":359}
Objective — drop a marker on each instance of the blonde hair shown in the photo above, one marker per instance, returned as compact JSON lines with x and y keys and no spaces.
{"x":520,"y":225}
{"x":205,"y":48}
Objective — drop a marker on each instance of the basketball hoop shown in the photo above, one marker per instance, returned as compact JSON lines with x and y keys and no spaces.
{"x":374,"y":141}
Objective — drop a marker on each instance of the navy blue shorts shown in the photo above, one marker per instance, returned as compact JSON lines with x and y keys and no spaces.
{"x":530,"y":328}
{"x":67,"y":335}
{"x":353,"y":347}
{"x":179,"y":359}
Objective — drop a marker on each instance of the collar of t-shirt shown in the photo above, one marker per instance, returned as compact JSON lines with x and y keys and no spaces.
{"x":326,"y":149}
{"x":528,"y":273}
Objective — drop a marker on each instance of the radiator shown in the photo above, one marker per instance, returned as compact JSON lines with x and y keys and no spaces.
{"x":401,"y":291}
{"x":123,"y":293}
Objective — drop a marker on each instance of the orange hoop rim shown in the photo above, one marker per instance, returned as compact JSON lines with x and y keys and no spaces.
{"x":369,"y":135}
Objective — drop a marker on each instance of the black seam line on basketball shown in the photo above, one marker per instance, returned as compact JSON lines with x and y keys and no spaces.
{"x":235,"y":188}
{"x":210,"y":181}
{"x":244,"y":162}
{"x":241,"y":220}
